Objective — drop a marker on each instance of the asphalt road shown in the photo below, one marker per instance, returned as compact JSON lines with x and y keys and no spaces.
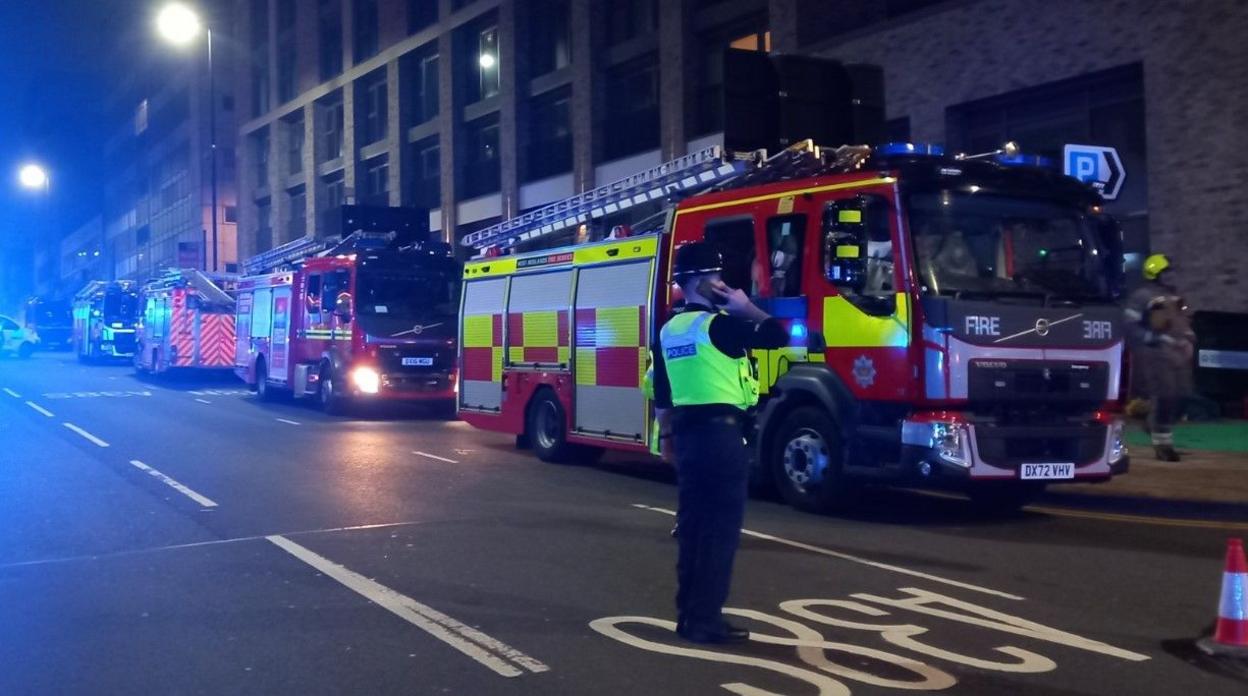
{"x":183,"y":538}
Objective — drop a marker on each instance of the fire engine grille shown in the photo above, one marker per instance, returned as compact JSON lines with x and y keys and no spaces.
{"x":421,"y":360}
{"x":1001,"y":381}
{"x":1010,"y":447}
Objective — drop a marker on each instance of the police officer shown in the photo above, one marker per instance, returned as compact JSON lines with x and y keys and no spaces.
{"x":703,"y":373}
{"x":1162,"y":342}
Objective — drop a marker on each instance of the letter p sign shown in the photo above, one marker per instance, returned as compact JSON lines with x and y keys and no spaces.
{"x":1096,"y":165}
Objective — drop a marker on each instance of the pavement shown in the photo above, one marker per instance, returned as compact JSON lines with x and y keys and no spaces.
{"x":183,"y":538}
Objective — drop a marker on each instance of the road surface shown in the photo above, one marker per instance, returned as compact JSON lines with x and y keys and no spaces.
{"x":183,"y":538}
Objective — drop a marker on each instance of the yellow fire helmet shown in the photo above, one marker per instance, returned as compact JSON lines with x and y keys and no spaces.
{"x":1154,"y":265}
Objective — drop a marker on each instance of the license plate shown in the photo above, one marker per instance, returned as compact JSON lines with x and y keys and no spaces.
{"x":1047,"y":471}
{"x":417,"y":362}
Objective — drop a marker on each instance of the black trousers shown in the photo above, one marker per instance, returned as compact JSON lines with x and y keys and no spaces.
{"x":1164,"y":413}
{"x":712,"y":469}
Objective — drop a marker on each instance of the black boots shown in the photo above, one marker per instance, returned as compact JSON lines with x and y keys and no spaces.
{"x":1166,"y":453}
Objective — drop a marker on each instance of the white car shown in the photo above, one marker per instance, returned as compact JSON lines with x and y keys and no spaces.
{"x":15,"y":340}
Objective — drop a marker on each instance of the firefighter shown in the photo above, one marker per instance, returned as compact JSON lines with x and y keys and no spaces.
{"x":1162,"y":342}
{"x":703,"y":373}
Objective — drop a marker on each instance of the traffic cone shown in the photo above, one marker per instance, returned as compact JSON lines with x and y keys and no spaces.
{"x":1230,"y":637}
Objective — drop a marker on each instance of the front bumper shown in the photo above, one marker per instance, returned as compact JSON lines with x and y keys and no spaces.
{"x":953,"y":450}
{"x":411,"y":387}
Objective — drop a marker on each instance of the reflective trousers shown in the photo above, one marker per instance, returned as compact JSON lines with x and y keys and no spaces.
{"x":712,"y":470}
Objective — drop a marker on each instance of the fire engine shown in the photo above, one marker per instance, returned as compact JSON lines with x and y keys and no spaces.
{"x":952,"y":317}
{"x":186,"y":322}
{"x":52,"y":319}
{"x":369,"y":316}
{"x":104,"y":318}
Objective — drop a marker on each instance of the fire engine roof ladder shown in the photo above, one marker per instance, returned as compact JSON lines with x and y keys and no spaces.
{"x":309,"y":246}
{"x":204,"y":285}
{"x":713,"y":168}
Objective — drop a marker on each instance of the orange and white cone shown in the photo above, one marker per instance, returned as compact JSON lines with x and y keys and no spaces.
{"x":1230,"y":637}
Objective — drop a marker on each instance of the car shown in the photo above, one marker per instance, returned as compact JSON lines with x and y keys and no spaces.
{"x":15,"y":340}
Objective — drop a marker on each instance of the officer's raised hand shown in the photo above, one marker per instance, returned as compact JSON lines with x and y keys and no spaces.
{"x":735,"y":302}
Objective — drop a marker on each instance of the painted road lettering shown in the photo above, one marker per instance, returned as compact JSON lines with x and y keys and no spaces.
{"x":96,"y":395}
{"x":812,"y":648}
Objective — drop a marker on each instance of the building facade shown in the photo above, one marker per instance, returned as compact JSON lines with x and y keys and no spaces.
{"x":82,"y":256}
{"x":157,"y":197}
{"x":481,"y":109}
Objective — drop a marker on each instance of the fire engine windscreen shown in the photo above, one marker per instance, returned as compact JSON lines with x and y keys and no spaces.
{"x":972,"y":244}
{"x":120,"y":306}
{"x":408,"y":294}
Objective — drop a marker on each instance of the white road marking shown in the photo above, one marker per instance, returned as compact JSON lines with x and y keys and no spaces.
{"x":203,"y":401}
{"x":40,"y":409}
{"x":86,"y":434}
{"x":206,"y":502}
{"x":434,"y":456}
{"x":499,"y":657}
{"x":289,"y":422}
{"x":854,"y":559}
{"x":12,"y":393}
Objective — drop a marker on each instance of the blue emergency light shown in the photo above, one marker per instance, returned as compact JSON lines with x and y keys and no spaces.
{"x":798,"y":330}
{"x":922,"y":149}
{"x":1021,"y":160}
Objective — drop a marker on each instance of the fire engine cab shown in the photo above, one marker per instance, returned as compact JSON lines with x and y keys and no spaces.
{"x":186,"y":322}
{"x":366,"y":317}
{"x":104,"y":317}
{"x":952,"y":318}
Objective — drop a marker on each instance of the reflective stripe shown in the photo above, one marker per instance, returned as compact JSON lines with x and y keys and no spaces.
{"x":1234,"y":604}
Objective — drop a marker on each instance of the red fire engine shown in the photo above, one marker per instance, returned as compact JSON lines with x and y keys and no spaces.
{"x":953,"y":318}
{"x":364,"y":318}
{"x":186,"y":321}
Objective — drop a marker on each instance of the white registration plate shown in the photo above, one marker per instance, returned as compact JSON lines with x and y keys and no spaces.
{"x":417,"y":362}
{"x":1047,"y":471}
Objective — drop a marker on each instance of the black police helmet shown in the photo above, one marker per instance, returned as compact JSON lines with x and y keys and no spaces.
{"x":697,"y":258}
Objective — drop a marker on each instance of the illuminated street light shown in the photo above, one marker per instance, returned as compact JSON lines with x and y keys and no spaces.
{"x":487,"y":61}
{"x":178,"y":24}
{"x":33,"y":177}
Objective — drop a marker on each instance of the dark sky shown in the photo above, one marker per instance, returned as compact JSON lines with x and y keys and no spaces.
{"x":57,"y":60}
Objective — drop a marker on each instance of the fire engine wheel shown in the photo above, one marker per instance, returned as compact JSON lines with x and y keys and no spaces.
{"x":263,"y":391}
{"x":806,"y":462}
{"x":547,"y":428}
{"x":1004,"y":497}
{"x":333,"y":401}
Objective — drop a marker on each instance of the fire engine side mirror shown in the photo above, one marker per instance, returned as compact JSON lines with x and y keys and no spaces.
{"x":844,"y":240}
{"x":1109,"y":234}
{"x":342,"y":305}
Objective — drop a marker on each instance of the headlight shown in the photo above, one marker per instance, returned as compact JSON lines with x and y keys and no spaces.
{"x":366,"y":379}
{"x":950,"y":442}
{"x":1117,"y":445}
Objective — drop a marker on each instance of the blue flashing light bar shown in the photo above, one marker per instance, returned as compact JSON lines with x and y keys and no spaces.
{"x":926,"y":149}
{"x":797,"y":331}
{"x":1021,"y":160}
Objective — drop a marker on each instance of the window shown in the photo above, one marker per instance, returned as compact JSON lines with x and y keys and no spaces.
{"x":377,"y":181}
{"x":786,"y":241}
{"x":313,"y":295}
{"x":550,"y":45}
{"x":366,"y":28}
{"x":426,"y":181}
{"x":329,"y":22}
{"x":286,"y":50}
{"x":231,"y":214}
{"x":750,"y":35}
{"x":334,"y":191}
{"x":632,"y":92}
{"x":372,"y":106}
{"x":487,"y":61}
{"x":421,"y":14}
{"x":298,"y":201}
{"x":425,"y":88}
{"x":295,"y":136}
{"x":260,"y":57}
{"x":264,"y":225}
{"x":260,"y":155}
{"x":480,"y":172}
{"x":331,"y":120}
{"x":875,"y":240}
{"x":549,"y":146}
{"x":734,"y":238}
{"x":629,"y":19}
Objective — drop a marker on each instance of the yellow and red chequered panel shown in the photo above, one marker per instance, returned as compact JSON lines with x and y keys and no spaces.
{"x":611,"y":346}
{"x":538,"y":337}
{"x":483,"y":347}
{"x":216,"y":340}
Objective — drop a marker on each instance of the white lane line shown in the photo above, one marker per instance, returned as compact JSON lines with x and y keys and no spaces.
{"x":12,"y":393}
{"x":40,"y":409}
{"x":496,"y":655}
{"x":854,"y":559}
{"x":206,"y":502}
{"x":203,"y":401}
{"x":86,"y":434}
{"x":434,"y":456}
{"x":288,"y":422}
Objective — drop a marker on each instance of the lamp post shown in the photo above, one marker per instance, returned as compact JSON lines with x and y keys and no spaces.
{"x":179,"y":25}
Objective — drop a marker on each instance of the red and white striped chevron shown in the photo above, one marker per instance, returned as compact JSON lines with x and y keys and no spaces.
{"x":216,"y":340}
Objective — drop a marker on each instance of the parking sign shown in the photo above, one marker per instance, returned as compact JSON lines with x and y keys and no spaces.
{"x":1096,"y":165}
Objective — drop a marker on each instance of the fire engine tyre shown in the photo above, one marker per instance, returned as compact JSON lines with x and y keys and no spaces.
{"x":25,"y":350}
{"x":806,"y":462}
{"x":546,"y":432}
{"x":1004,"y":497}
{"x":263,"y":391}
{"x":333,"y":402}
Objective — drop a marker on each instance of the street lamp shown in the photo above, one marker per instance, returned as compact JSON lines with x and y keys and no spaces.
{"x":33,"y":177}
{"x":179,"y":25}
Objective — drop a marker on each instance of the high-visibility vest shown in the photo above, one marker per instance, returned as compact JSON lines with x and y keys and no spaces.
{"x":698,"y":371}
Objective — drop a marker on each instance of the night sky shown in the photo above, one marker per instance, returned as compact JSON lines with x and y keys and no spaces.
{"x":57,"y":60}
